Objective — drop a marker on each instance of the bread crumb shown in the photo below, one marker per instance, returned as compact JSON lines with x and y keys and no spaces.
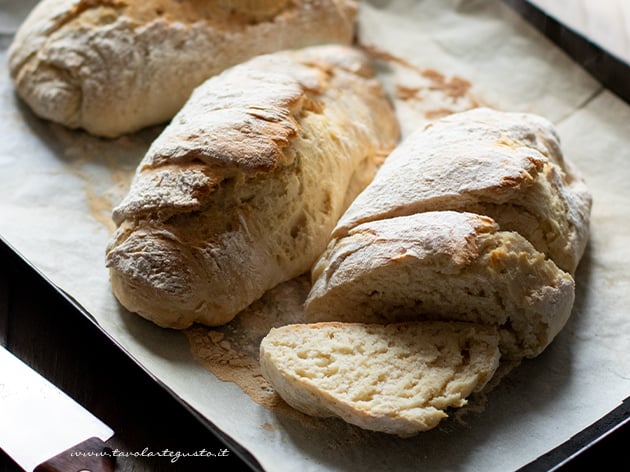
{"x":268,"y":427}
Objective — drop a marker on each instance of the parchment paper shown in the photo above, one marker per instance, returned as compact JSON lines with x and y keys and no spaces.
{"x":57,"y":188}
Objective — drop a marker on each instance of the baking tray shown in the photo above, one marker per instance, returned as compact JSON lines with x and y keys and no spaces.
{"x":614,"y":75}
{"x":604,"y":66}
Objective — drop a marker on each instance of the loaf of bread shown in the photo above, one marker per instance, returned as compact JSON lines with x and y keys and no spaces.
{"x":508,"y":166}
{"x":444,"y":265}
{"x":413,"y":245}
{"x":396,"y":378}
{"x":242,"y":189}
{"x":113,"y":67}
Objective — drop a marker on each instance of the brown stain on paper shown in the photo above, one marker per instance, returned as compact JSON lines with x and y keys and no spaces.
{"x":435,"y":94}
{"x":100,"y":208}
{"x":99,"y":205}
{"x":87,"y":157}
{"x":230,"y":352}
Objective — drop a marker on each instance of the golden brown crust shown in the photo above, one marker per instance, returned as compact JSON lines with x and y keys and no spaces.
{"x":508,"y":166}
{"x":191,"y":11}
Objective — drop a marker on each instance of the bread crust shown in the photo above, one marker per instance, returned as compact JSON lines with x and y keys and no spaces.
{"x":115,"y":66}
{"x":508,"y":166}
{"x":241,"y":190}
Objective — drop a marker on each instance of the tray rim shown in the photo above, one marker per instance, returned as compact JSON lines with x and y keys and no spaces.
{"x":600,"y":64}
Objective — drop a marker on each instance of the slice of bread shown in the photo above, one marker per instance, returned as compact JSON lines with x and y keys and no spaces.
{"x":396,"y":378}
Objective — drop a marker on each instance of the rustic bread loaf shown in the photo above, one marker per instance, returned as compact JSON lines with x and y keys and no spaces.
{"x":113,"y":67}
{"x":397,"y":378}
{"x":242,"y":188}
{"x":443,"y":265}
{"x":413,"y":246}
{"x":508,"y":166}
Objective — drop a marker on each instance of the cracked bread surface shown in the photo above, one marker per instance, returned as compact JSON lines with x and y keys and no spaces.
{"x":508,"y":166}
{"x":398,"y":378}
{"x":241,"y":190}
{"x":115,"y":66}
